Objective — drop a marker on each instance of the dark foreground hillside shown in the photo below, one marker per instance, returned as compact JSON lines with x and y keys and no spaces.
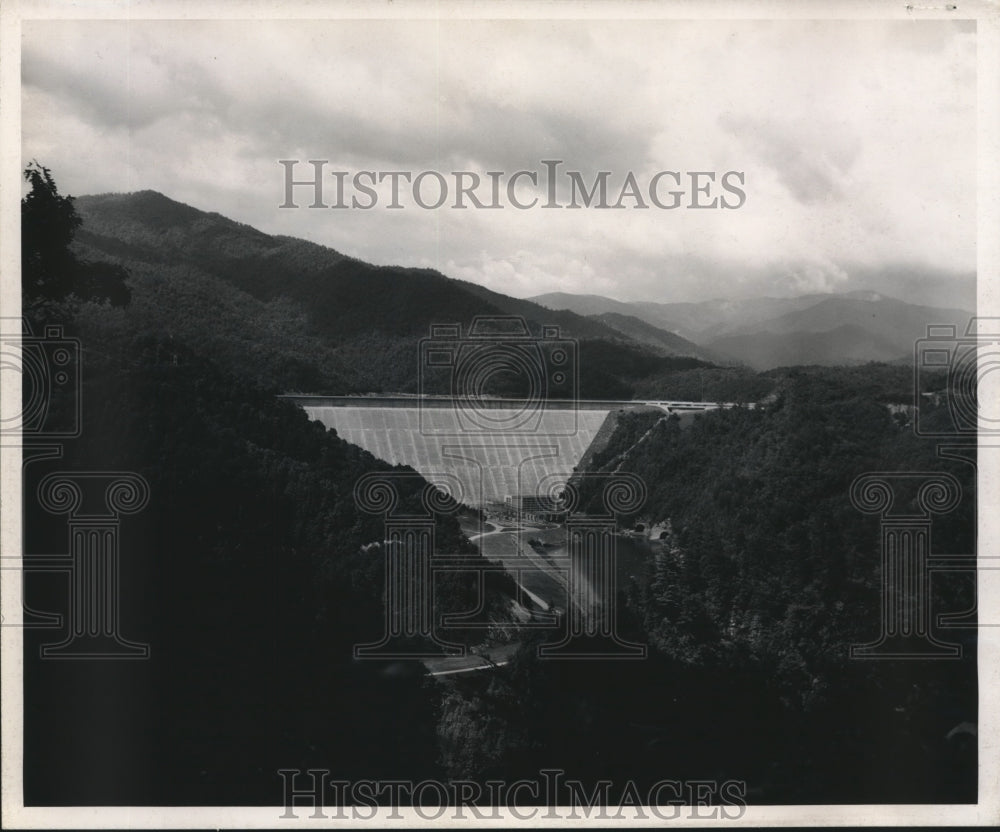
{"x":246,"y":577}
{"x":251,"y":574}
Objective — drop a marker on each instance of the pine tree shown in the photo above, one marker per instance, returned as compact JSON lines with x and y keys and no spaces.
{"x":50,"y":270}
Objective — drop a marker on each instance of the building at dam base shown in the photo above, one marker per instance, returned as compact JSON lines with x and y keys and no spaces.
{"x":498,"y":454}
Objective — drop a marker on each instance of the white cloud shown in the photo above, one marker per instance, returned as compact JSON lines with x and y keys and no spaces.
{"x":856,"y":138}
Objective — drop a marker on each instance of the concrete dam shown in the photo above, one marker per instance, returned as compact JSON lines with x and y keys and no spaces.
{"x":496,"y":449}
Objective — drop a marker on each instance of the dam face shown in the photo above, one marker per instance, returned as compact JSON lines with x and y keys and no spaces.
{"x":494,"y":452}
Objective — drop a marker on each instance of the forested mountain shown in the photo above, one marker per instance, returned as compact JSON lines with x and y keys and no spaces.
{"x":663,"y":342}
{"x":895,"y":321}
{"x":314,"y":320}
{"x":845,"y":344}
{"x":253,"y":573}
{"x":583,"y":304}
{"x":764,"y":577}
{"x":324,"y":322}
{"x":697,"y":321}
{"x":838,"y":330}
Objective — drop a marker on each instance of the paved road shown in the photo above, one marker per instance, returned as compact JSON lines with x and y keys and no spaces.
{"x":488,"y":657}
{"x":539,"y":578}
{"x":500,"y":655}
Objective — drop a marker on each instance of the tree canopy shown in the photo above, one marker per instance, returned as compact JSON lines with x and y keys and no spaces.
{"x":50,"y":269}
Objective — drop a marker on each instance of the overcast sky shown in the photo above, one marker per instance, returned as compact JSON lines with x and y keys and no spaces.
{"x":857,"y":141}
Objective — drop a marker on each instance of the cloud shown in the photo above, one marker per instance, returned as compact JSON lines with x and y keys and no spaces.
{"x":813,"y":170}
{"x":856,"y":139}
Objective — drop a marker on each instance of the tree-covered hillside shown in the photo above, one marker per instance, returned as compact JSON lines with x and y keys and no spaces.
{"x":252,"y":573}
{"x":311,"y":319}
{"x":765,"y":576}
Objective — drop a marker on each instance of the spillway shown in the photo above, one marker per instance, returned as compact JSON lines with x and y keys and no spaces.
{"x":498,"y":454}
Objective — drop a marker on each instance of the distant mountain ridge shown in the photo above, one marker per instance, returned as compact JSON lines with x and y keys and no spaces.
{"x":847,"y":344}
{"x":848,"y":328}
{"x":661,"y":340}
{"x":695,"y":321}
{"x":310,"y":318}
